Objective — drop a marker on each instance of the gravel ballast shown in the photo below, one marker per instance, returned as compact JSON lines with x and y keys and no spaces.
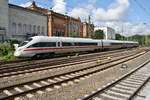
{"x":86,"y":86}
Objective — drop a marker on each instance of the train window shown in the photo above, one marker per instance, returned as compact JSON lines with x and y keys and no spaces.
{"x":25,"y":42}
{"x":85,"y":44}
{"x":50,"y":44}
{"x":29,"y":39}
{"x":116,"y":43}
{"x":67,"y":44}
{"x":44,"y":44}
{"x":78,"y":44}
{"x":35,"y":45}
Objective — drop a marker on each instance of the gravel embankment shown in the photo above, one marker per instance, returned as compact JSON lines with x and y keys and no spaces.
{"x":9,"y":81}
{"x":77,"y":90}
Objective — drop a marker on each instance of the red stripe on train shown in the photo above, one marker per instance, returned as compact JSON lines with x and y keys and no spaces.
{"x":38,"y":49}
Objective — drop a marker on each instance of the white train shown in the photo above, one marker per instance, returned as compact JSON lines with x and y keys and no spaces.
{"x":38,"y":46}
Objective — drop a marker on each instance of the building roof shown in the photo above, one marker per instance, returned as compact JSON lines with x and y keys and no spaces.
{"x":34,"y":7}
{"x":25,"y":9}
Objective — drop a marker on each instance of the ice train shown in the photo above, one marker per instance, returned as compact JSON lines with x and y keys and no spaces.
{"x":39,"y":46}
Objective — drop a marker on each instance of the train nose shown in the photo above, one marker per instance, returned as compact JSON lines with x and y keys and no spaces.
{"x":17,"y":54}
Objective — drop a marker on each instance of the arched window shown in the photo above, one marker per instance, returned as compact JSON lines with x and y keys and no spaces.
{"x":30,"y":28}
{"x":19,"y":28}
{"x":14,"y":28}
{"x":34,"y":29}
{"x":43,"y":30}
{"x":38,"y":30}
{"x":24,"y":28}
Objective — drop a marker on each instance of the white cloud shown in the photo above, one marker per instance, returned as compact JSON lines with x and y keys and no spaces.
{"x":84,"y":11}
{"x":59,"y":6}
{"x":27,"y":4}
{"x":79,"y":12}
{"x":128,"y":28}
{"x":115,"y":11}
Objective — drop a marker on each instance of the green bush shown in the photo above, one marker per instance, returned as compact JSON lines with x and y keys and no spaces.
{"x":6,"y":51}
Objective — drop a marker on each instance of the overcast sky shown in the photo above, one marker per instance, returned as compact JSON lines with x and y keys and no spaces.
{"x":129,"y":16}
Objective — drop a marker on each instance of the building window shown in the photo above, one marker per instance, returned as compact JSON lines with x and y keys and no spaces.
{"x":14,"y":28}
{"x":19,"y":28}
{"x":24,"y":28}
{"x":38,"y":29}
{"x":30,"y":28}
{"x":43,"y":30}
{"x":34,"y":29}
{"x":63,"y":33}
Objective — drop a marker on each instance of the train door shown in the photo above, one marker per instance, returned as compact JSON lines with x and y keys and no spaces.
{"x":60,"y":44}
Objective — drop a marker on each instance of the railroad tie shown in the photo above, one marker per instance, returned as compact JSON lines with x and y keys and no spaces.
{"x":37,"y":85}
{"x":70,"y":76}
{"x":57,"y":86}
{"x":17,"y":98}
{"x":7,"y":92}
{"x":82,"y":78}
{"x":52,"y":81}
{"x":117,"y":94}
{"x":128,"y":85}
{"x":18,"y":89}
{"x":49,"y":89}
{"x":105,"y":96}
{"x":97,"y":98}
{"x":64,"y":84}
{"x":63,"y":77}
{"x":76,"y":80}
{"x":45,"y":83}
{"x":122,"y":90}
{"x":29,"y":95}
{"x":125,"y":87}
{"x":58,"y":79}
{"x":40,"y":92}
{"x":28,"y":87}
{"x":131,"y":82}
{"x":70,"y":83}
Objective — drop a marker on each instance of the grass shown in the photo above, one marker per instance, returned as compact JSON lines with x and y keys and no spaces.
{"x":6,"y":52}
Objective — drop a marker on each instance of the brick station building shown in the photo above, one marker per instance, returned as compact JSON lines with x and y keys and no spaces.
{"x":63,"y":25}
{"x":20,"y":23}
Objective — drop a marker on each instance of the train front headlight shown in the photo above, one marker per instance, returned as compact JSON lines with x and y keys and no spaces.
{"x":18,"y":52}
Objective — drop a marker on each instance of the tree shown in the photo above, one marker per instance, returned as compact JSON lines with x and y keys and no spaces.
{"x":73,"y":34}
{"x":98,"y":34}
{"x":120,"y":37}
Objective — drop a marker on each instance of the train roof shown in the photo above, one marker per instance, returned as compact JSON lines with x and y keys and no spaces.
{"x":66,"y":39}
{"x":73,"y":39}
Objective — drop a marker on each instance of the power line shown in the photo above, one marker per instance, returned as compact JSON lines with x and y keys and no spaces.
{"x":142,"y":7}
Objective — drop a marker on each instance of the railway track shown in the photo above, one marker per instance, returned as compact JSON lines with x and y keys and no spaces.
{"x":28,"y":61}
{"x":5,"y":72}
{"x":124,"y":88}
{"x":55,"y":61}
{"x":52,"y":82}
{"x":13,"y":61}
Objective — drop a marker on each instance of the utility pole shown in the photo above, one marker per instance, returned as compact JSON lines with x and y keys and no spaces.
{"x":145,"y":37}
{"x":122,"y":32}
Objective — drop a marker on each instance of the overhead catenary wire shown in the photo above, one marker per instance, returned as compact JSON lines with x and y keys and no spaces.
{"x":142,"y":7}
